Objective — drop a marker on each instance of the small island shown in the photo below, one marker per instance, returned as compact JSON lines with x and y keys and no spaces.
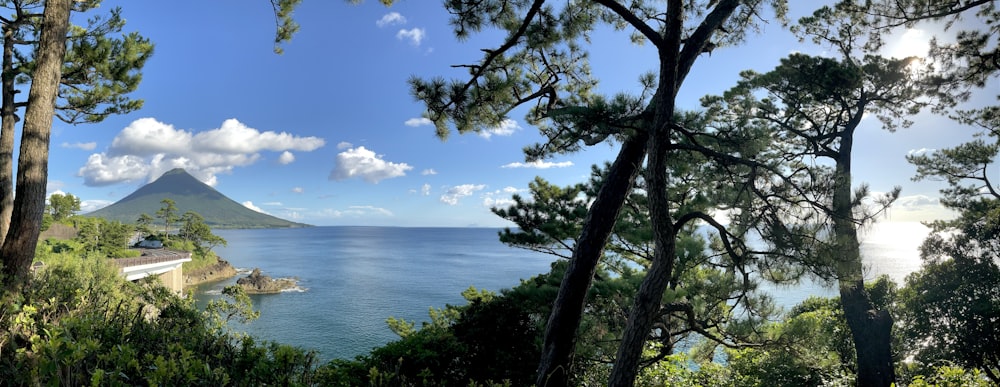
{"x":257,"y":283}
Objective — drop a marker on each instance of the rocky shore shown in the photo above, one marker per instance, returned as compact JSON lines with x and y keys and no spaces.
{"x":219,"y":271}
{"x":257,"y":283}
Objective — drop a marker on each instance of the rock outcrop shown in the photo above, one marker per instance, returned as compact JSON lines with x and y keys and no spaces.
{"x":219,"y":271}
{"x":257,"y":283}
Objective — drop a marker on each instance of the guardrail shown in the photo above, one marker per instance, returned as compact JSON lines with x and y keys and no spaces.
{"x":157,"y":257}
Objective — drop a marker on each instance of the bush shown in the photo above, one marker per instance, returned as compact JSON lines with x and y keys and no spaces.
{"x":491,"y":340}
{"x":78,"y":322}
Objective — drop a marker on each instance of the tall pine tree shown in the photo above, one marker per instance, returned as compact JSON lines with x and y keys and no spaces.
{"x":542,"y":63}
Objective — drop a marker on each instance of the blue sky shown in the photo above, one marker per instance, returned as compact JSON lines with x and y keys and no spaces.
{"x":328,"y":134}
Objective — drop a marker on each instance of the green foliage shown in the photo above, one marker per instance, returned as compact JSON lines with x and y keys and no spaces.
{"x":194,"y":236}
{"x":959,"y":166}
{"x":811,"y":346}
{"x":221,"y":311}
{"x":167,"y":213}
{"x":950,"y":307}
{"x":106,"y":238}
{"x":284,"y":23}
{"x":194,"y":229}
{"x":143,"y":225}
{"x":548,"y":221}
{"x":199,"y":257}
{"x":62,"y":206}
{"x":493,"y":339}
{"x":951,"y":376}
{"x":702,"y":286}
{"x":100,"y":70}
{"x":497,"y":337}
{"x":79,"y":322}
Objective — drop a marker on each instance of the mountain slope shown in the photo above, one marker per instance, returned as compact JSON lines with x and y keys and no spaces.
{"x":189,"y":194}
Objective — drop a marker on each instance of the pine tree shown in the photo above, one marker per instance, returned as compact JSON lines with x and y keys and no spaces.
{"x":543,"y":63}
{"x":32,"y":173}
{"x":815,"y":105}
{"x":99,"y":72}
{"x":168,"y":213}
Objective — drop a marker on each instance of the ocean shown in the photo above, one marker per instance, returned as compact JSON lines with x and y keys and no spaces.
{"x":352,"y":278}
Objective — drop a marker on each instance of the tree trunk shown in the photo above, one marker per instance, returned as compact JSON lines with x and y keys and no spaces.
{"x":32,"y":166}
{"x":647,"y":301}
{"x":870,"y":328}
{"x":8,"y":119}
{"x":642,"y":316}
{"x":560,"y":333}
{"x":567,"y":310}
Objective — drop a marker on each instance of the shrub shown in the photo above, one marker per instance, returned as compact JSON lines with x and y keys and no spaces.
{"x":79,"y":322}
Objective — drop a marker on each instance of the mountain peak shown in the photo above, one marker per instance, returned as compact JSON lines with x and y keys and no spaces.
{"x":175,"y":171}
{"x":189,"y":194}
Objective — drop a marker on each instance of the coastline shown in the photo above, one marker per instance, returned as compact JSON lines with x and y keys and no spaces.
{"x":254,"y":283}
{"x":219,"y":271}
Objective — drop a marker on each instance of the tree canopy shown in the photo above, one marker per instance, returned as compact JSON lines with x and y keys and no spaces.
{"x":808,"y":213}
{"x":62,"y":206}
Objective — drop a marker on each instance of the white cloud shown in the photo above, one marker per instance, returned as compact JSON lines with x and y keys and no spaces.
{"x":913,"y":202}
{"x":148,"y":137}
{"x":429,"y":171}
{"x":916,"y":208}
{"x":88,"y":146}
{"x":365,"y":164}
{"x":425,"y":189}
{"x":497,"y":202}
{"x":415,"y":122}
{"x":147,"y":148}
{"x":368,"y":210}
{"x":506,"y":128}
{"x":103,"y":170}
{"x":356,"y":212}
{"x":414,"y":35}
{"x":390,"y":19}
{"x":272,"y":204}
{"x":93,"y":205}
{"x":235,"y":137}
{"x":286,"y":158}
{"x":54,"y":185}
{"x":249,"y":204}
{"x":298,"y":190}
{"x":921,"y":151}
{"x":344,"y":145}
{"x":539,"y":164}
{"x":455,"y":193}
{"x":500,"y":197}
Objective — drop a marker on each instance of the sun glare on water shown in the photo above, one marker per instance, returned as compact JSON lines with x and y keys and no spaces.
{"x":892,"y":248}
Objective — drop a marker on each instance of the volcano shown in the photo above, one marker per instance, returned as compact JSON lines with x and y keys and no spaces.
{"x":189,"y":194}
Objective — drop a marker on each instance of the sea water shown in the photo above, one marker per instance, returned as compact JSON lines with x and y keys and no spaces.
{"x":352,"y":278}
